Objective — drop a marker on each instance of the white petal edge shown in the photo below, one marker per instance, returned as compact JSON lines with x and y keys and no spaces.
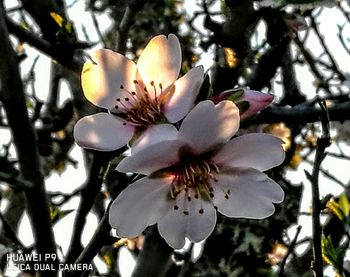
{"x":259,"y":151}
{"x":160,"y":61}
{"x":183,"y":95}
{"x":103,"y":132}
{"x":139,"y":205}
{"x":175,"y":226}
{"x":154,"y":134}
{"x":152,"y":158}
{"x":208,"y":125}
{"x":251,"y":193}
{"x":102,"y":77}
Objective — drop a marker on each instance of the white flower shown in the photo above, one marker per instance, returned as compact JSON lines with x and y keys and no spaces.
{"x":195,"y":172}
{"x":136,"y":95}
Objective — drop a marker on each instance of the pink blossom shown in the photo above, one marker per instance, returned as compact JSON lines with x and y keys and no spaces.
{"x":193,"y":172}
{"x":135,"y":95}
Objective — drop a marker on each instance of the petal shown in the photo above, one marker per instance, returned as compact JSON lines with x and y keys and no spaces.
{"x":257,"y":101}
{"x":182,"y":99}
{"x":103,"y":132}
{"x":152,"y":158}
{"x":139,"y":205}
{"x":209,"y":125}
{"x":102,"y":78}
{"x":259,"y":151}
{"x":175,"y":226}
{"x":160,"y":61}
{"x":249,"y":193}
{"x":154,"y":134}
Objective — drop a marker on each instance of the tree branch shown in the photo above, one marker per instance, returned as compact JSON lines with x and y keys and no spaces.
{"x":155,"y":256}
{"x":12,"y":95}
{"x":88,"y":194}
{"x":322,"y":144}
{"x":100,"y":238}
{"x":300,"y":114}
{"x":75,"y":63}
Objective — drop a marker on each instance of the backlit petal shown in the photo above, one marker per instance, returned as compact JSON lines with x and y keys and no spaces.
{"x":182,"y":98}
{"x":259,"y":151}
{"x":249,"y":193}
{"x":154,"y":134}
{"x":208,"y":125}
{"x":160,"y":61}
{"x":103,"y":132}
{"x":152,"y":158}
{"x":175,"y":226}
{"x":139,"y":205}
{"x":102,"y":77}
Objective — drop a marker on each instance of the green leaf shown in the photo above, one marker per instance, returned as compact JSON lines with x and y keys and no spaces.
{"x":334,"y":207}
{"x":344,"y":204}
{"x":332,"y":255}
{"x":56,"y":214}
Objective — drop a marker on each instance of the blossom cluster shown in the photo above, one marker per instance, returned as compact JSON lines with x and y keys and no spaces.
{"x":190,"y":162}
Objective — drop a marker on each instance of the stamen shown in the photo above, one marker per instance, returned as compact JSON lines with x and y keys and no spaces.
{"x":139,"y":108}
{"x":155,"y":90}
{"x":161,"y":88}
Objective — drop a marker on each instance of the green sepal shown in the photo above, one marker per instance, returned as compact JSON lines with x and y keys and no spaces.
{"x":242,"y":106}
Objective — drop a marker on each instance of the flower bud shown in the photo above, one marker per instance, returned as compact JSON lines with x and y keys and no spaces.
{"x":249,"y":102}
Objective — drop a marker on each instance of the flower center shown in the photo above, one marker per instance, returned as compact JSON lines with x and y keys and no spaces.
{"x":194,"y":178}
{"x":141,"y":108}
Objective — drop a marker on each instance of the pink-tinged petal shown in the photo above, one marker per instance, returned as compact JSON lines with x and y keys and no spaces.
{"x":103,"y":132}
{"x":257,"y":101}
{"x":197,"y":224}
{"x":154,"y":134}
{"x":259,"y":151}
{"x":160,"y":61}
{"x":152,"y":158}
{"x":208,"y":125}
{"x":139,"y":205}
{"x":249,"y":193}
{"x":183,"y":95}
{"x":102,"y":77}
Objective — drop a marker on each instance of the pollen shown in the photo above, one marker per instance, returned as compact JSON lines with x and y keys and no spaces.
{"x":194,"y":179}
{"x":141,"y":107}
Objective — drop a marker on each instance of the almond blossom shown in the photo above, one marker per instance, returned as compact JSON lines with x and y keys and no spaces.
{"x":135,"y":95}
{"x":193,"y":172}
{"x":256,"y":100}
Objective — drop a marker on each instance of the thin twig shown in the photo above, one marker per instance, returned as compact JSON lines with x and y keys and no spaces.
{"x":290,"y":250}
{"x":100,"y":238}
{"x":322,"y":143}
